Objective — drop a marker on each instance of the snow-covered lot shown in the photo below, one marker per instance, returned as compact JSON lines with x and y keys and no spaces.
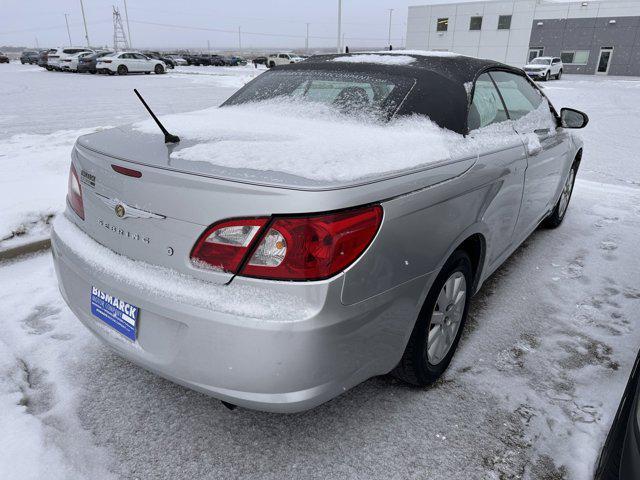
{"x":530,"y":393}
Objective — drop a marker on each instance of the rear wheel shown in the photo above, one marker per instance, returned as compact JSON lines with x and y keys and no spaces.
{"x":271,"y":64}
{"x":158,"y":69}
{"x":439,"y":326}
{"x":122,"y":70}
{"x":547,"y":76}
{"x":557,"y":216}
{"x":559,"y":75}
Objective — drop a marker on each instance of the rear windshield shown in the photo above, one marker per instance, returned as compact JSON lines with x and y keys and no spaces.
{"x":351,"y":93}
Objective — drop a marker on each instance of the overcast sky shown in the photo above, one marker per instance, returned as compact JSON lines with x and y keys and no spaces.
{"x":280,"y":23}
{"x":191,"y":23}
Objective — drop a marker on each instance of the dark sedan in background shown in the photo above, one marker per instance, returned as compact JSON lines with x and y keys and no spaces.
{"x":30,"y":57}
{"x":3,"y":58}
{"x":89,"y":63}
{"x":620,"y":458}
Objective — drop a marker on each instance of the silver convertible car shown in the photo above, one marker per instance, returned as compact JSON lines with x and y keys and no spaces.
{"x":276,"y":290}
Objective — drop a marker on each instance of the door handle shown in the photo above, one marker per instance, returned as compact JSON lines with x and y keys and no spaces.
{"x":541,"y":131}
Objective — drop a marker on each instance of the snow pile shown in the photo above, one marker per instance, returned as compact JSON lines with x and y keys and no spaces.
{"x":307,"y":140}
{"x":33,"y":184}
{"x":378,"y":59}
{"x":242,"y":300}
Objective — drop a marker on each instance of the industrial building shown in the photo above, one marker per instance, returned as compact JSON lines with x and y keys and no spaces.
{"x":591,"y":37}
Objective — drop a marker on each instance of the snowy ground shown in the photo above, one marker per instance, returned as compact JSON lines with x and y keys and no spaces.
{"x":530,"y":393}
{"x":42,"y":113}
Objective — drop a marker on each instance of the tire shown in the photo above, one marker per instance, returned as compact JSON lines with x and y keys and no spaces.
{"x":159,"y":69}
{"x":560,"y":210}
{"x":416,"y":366}
{"x":559,"y":75}
{"x":271,"y":64}
{"x":147,"y":73}
{"x":122,"y":70}
{"x":547,"y":76}
{"x":110,"y":72}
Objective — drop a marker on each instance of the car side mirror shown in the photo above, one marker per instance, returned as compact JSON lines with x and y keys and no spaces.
{"x":570,"y":118}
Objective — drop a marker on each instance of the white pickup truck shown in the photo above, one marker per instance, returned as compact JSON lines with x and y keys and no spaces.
{"x":282,"y":59}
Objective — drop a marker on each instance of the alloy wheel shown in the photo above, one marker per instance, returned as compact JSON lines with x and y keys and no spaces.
{"x":566,"y":193}
{"x":446,"y":317}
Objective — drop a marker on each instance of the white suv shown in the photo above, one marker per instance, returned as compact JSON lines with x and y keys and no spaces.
{"x":59,"y":59}
{"x":283,"y":59}
{"x":544,"y":68}
{"x":129,"y":62}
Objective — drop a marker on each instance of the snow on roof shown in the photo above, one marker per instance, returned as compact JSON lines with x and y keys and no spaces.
{"x":315,"y":142}
{"x":375,"y":58}
{"x":420,"y":53}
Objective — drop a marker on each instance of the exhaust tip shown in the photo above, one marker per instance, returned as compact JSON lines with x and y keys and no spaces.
{"x":230,"y":406}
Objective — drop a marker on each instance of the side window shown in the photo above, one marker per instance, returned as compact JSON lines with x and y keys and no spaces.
{"x":442,"y":25}
{"x":486,"y":107}
{"x":518,"y":94}
{"x":504,"y":22}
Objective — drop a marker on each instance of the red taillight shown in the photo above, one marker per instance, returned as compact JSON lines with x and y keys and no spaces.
{"x":74,"y":193}
{"x":223,"y":245}
{"x":291,"y":248}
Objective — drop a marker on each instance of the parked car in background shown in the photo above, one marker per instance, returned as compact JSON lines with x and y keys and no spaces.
{"x":88,"y":63}
{"x":3,"y":58}
{"x":544,"y":68}
{"x":234,"y":61}
{"x":168,"y":61}
{"x":30,"y":57}
{"x":43,"y":58}
{"x":178,"y":59}
{"x":620,"y":457}
{"x":282,"y":59}
{"x":123,"y":63}
{"x":209,"y":60}
{"x":60,"y":57}
{"x":278,"y":291}
{"x":259,"y":61}
{"x":70,"y":62}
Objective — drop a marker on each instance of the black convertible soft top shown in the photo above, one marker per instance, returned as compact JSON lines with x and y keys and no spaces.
{"x":443,"y":86}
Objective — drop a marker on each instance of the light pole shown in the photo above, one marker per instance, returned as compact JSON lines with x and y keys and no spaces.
{"x":306,"y":42}
{"x":339,"y":26}
{"x":84,"y":19}
{"x":66,"y":19}
{"x":240,"y":39}
{"x":390,"y":16}
{"x":126,"y":16}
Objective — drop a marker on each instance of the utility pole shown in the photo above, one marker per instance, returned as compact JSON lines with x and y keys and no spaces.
{"x":339,"y":26}
{"x":126,"y":17}
{"x":306,"y":42}
{"x":84,"y":19}
{"x":66,"y":19}
{"x":240,"y":39}
{"x":37,"y":45}
{"x":208,"y":47}
{"x":390,"y":16}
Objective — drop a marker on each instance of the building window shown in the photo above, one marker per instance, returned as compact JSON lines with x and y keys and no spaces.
{"x":443,"y":25}
{"x":504,"y":22}
{"x":535,"y":52}
{"x":577,"y":57}
{"x":475,"y":23}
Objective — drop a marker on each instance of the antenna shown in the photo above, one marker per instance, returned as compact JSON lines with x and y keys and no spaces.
{"x":120,"y":41}
{"x":168,"y":138}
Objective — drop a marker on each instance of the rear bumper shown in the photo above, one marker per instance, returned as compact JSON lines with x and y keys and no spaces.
{"x":311,"y":353}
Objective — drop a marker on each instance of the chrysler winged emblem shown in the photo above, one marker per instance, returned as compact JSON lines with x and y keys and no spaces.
{"x":122,"y":210}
